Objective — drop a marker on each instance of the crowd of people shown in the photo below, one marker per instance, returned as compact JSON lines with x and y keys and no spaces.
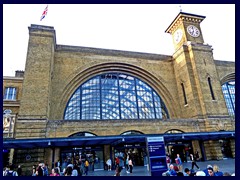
{"x":10,"y":170}
{"x":118,"y":168}
{"x":80,"y":168}
{"x":42,"y":169}
{"x":176,"y":170}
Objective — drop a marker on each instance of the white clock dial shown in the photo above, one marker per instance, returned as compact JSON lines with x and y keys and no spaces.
{"x":193,"y":31}
{"x":178,"y":35}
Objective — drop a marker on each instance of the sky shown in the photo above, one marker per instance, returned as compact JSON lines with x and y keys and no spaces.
{"x":129,"y":27}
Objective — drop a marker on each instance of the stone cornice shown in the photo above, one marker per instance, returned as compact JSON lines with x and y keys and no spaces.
{"x":110,"y":52}
{"x":7,"y":78}
{"x":184,"y":17}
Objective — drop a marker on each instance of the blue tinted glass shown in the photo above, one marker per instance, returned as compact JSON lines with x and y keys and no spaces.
{"x":228,"y":90}
{"x":115,"y":96}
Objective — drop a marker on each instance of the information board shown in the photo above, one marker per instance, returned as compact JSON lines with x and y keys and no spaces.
{"x":157,"y":155}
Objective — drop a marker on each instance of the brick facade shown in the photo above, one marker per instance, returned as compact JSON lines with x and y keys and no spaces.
{"x":53,"y":72}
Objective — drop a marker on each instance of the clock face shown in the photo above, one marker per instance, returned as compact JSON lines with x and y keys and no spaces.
{"x":178,"y":35}
{"x":193,"y":31}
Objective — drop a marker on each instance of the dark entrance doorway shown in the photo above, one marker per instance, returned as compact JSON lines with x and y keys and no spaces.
{"x":183,"y":149}
{"x":137,"y":152}
{"x":226,"y":148}
{"x":94,"y":155}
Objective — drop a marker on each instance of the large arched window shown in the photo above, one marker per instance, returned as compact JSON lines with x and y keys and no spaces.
{"x":228,"y":89}
{"x":115,"y":96}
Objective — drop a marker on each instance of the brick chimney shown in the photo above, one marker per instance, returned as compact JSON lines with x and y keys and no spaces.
{"x":19,"y":73}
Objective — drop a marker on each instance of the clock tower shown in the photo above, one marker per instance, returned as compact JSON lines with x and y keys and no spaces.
{"x":186,"y":27}
{"x":199,"y":91}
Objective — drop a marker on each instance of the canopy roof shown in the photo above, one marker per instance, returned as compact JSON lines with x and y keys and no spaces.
{"x":112,"y":140}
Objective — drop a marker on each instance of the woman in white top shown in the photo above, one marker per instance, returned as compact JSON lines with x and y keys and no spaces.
{"x":130,"y":164}
{"x":109,"y":164}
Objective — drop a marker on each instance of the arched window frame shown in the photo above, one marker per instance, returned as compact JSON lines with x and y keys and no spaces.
{"x":228,"y":90}
{"x":142,"y":101}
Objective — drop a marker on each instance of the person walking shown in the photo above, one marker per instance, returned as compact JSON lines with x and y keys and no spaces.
{"x":39,"y":170}
{"x":126,"y":164}
{"x":109,"y":164}
{"x":19,"y":170}
{"x":117,"y":161}
{"x":168,"y":161}
{"x":86,"y":165}
{"x":179,"y":162}
{"x":193,"y":160}
{"x":117,"y":171}
{"x":197,"y":157}
{"x":130,"y":164}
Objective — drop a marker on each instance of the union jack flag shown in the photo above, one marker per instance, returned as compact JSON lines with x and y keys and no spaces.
{"x":44,"y":13}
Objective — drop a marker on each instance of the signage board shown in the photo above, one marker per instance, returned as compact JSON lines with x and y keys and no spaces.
{"x":157,"y":155}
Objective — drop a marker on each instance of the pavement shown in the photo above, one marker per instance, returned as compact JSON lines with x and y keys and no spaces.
{"x":226,"y":165}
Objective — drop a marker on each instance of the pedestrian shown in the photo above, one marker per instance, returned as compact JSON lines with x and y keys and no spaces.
{"x":200,"y":173}
{"x":10,"y":172}
{"x":130,"y":164}
{"x":206,"y":170}
{"x":226,"y":174}
{"x":19,"y":170}
{"x":64,"y":164}
{"x":168,"y":161}
{"x":178,"y":162}
{"x":75,"y":171}
{"x":126,"y":164}
{"x":118,"y":171}
{"x":197,"y":156}
{"x":34,"y":169}
{"x":193,"y":160}
{"x":58,"y":164}
{"x":216,"y":171}
{"x":117,"y":161}
{"x":68,"y":171}
{"x":171,"y":171}
{"x":86,"y":164}
{"x":45,"y":169}
{"x":54,"y":172}
{"x":210,"y":172}
{"x":109,"y":164}
{"x":188,"y":172}
{"x":39,"y":170}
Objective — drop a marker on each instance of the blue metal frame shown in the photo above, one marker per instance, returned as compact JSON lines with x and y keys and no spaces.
{"x":102,"y":140}
{"x":115,"y":96}
{"x":229,"y":95}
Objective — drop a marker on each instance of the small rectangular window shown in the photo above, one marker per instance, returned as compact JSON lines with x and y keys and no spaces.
{"x":210,"y":86}
{"x":10,"y":93}
{"x":184,"y":94}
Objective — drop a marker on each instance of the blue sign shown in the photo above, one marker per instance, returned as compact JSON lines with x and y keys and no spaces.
{"x":5,"y":150}
{"x":157,"y":155}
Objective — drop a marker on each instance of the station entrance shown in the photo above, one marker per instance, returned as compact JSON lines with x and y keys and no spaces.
{"x":184,"y":149}
{"x":94,"y":155}
{"x":137,"y":152}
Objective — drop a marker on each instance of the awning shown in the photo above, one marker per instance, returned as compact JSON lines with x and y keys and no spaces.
{"x":112,"y":140}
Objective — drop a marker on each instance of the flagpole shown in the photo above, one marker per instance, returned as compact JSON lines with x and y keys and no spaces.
{"x":44,"y":13}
